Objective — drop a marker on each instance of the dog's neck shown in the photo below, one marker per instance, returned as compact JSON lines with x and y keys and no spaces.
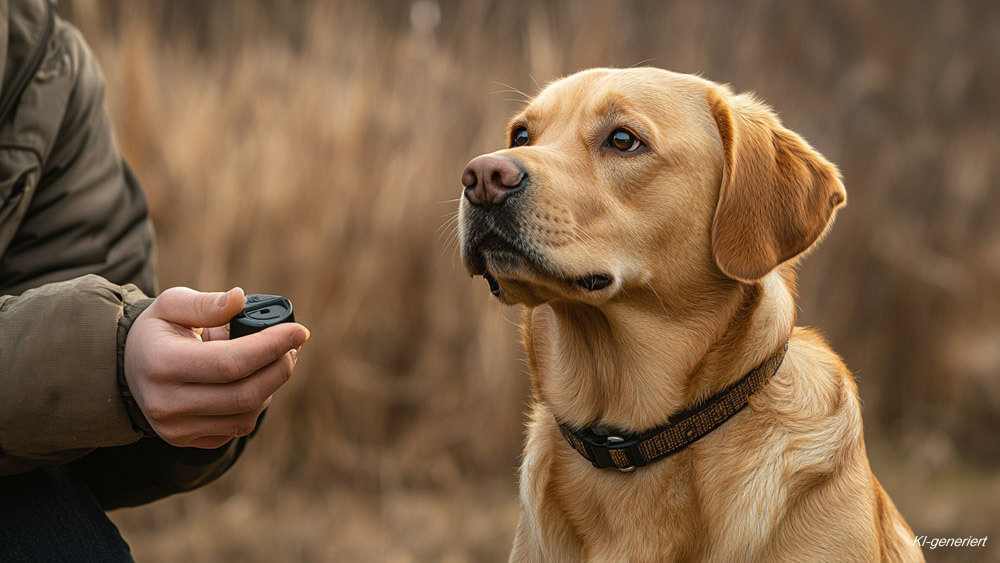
{"x":631,"y":364}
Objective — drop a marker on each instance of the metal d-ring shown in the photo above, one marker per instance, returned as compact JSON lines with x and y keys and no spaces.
{"x":619,"y":440}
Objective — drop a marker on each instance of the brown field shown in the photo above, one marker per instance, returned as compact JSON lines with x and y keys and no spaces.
{"x":314,"y":149}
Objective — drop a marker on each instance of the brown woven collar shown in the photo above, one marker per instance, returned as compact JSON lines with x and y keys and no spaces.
{"x":625,"y":452}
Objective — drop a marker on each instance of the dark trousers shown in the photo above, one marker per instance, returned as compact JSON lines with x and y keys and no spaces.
{"x":50,"y":515}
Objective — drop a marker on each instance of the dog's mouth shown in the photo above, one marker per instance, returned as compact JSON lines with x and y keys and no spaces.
{"x":514,"y":265}
{"x":591,"y":283}
{"x":595,"y":282}
{"x":494,"y":284}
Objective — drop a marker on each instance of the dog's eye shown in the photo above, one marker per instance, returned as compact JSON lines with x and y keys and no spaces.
{"x":623,"y":140}
{"x":519,"y":137}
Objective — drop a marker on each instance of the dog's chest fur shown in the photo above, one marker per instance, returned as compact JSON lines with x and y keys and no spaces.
{"x":789,"y":461}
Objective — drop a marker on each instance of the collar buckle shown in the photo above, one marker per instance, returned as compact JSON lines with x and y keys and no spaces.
{"x":613,"y":441}
{"x":618,"y":451}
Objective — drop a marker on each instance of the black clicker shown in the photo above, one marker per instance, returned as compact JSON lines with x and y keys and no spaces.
{"x":259,"y":312}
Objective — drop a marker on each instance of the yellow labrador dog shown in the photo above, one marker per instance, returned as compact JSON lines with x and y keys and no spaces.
{"x":649,"y":222}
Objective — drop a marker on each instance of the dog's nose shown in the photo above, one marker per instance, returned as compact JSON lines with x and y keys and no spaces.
{"x":489,"y":179}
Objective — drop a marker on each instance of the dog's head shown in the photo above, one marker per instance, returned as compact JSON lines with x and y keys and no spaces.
{"x":615,"y":180}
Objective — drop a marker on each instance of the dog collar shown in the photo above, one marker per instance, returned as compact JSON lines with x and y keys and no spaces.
{"x":625,"y":452}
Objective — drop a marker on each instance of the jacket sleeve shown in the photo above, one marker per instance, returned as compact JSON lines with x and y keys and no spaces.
{"x":59,"y":390}
{"x":63,"y":397}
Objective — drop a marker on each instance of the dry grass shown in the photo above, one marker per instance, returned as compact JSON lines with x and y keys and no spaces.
{"x":313,"y":149}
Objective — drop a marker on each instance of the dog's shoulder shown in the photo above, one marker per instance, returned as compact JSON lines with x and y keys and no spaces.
{"x":813,"y":409}
{"x":812,"y":382}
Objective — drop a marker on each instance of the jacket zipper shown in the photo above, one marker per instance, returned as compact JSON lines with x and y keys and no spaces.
{"x":31,"y":67}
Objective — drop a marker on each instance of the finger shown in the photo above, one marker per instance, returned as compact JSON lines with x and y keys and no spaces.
{"x":209,"y":442}
{"x":225,"y":361}
{"x":249,"y":394}
{"x":189,"y":431}
{"x":215,"y":333}
{"x":190,"y":308}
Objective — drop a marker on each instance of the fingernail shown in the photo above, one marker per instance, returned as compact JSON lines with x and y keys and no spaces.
{"x":223,"y":299}
{"x":308,"y":334}
{"x":295,"y":355}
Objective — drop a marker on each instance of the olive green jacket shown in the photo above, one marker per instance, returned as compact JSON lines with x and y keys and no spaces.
{"x":76,"y":266}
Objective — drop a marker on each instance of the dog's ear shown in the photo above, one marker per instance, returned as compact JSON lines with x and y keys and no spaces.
{"x":778,"y":195}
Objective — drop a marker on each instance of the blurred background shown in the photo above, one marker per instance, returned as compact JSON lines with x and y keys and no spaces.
{"x":314,"y":149}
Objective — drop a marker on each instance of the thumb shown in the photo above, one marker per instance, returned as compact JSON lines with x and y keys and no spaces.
{"x":196,"y":309}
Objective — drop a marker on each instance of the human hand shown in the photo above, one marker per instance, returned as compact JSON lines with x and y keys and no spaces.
{"x":196,"y":387}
